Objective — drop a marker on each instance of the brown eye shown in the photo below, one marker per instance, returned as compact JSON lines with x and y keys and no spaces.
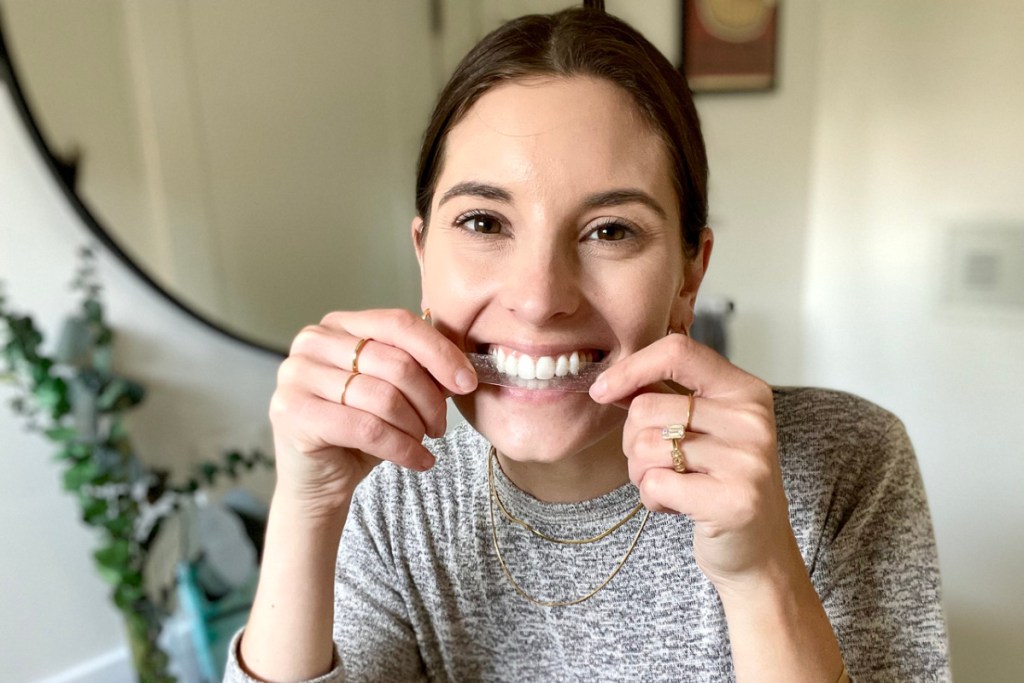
{"x":610,"y":232}
{"x":481,"y":223}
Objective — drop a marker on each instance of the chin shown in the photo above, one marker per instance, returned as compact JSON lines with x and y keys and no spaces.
{"x":539,"y":425}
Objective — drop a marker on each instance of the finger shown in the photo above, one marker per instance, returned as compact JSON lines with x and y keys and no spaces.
{"x":681,"y":360}
{"x":336,"y":348}
{"x":404,"y":330}
{"x":399,"y":369}
{"x":363,"y":392}
{"x":322,"y":424}
{"x":694,"y":495}
{"x":700,"y":453}
{"x":724,"y":419}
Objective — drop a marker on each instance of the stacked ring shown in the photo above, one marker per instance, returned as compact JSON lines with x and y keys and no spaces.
{"x":344,"y":389}
{"x":676,"y":433}
{"x":355,"y":354}
{"x":678,"y":461}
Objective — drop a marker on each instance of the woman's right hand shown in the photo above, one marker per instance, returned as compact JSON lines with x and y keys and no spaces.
{"x":323,"y":448}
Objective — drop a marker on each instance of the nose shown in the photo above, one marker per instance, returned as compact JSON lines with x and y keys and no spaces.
{"x":542,"y":282}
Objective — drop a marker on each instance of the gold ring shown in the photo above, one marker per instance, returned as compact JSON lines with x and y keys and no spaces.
{"x":678,"y":461}
{"x":426,"y":316}
{"x":689,"y":414}
{"x":355,"y":354}
{"x":344,"y":389}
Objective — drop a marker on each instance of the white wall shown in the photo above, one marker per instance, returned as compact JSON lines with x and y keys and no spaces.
{"x":759,"y":151}
{"x":919,"y":128}
{"x":205,"y":393}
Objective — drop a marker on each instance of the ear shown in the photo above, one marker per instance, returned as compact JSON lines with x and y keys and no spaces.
{"x":693,"y":274}
{"x":419,"y":241}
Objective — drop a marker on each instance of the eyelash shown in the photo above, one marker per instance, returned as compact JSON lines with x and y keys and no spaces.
{"x":627,"y":228}
{"x":465,"y":218}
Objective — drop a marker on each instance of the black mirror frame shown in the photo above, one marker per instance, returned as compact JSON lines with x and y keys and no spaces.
{"x":9,"y":75}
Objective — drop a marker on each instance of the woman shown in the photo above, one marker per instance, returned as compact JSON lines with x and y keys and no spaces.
{"x":681,"y":521}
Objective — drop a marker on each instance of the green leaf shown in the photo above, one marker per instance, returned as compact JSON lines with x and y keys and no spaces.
{"x":94,"y":511}
{"x":120,"y":394}
{"x":121,"y":526}
{"x":115,"y":555}
{"x":61,"y":433}
{"x":93,"y":310}
{"x":208,"y":471}
{"x":52,"y":395}
{"x":80,"y":474}
{"x":75,"y":451}
{"x":126,"y":595}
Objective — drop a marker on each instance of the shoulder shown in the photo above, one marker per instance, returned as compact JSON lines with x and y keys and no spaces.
{"x":803,"y":410}
{"x":835,"y":445}
{"x":823,"y":422}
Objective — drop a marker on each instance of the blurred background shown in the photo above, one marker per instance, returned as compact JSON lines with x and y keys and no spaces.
{"x":256,"y":159}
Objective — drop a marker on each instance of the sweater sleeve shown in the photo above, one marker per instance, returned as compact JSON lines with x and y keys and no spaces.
{"x":877,"y":573}
{"x":373,"y":638}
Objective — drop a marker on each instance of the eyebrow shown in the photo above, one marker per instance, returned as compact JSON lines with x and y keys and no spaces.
{"x":629,"y":196}
{"x":473,"y":189}
{"x":594,"y":201}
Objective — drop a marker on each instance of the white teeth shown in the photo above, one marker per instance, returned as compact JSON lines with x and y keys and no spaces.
{"x":536,"y":371}
{"x":545,"y":367}
{"x":526,"y":368}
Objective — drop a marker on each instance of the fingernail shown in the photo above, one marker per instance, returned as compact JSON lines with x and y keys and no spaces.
{"x":465,"y":380}
{"x":598,"y":389}
{"x":426,"y":464}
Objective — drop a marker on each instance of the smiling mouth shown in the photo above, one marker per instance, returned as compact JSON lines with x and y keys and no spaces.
{"x":519,"y":365}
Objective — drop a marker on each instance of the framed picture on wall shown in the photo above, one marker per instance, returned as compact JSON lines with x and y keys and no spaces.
{"x":729,"y":45}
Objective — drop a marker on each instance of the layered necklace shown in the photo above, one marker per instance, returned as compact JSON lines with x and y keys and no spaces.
{"x":495,"y":501}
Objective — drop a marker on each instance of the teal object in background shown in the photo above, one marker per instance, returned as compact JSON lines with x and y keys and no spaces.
{"x":213,"y":622}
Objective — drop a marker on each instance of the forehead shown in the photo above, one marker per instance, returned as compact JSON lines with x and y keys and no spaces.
{"x":557,"y":133}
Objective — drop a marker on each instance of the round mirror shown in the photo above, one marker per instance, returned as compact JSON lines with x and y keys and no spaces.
{"x":255,"y":159}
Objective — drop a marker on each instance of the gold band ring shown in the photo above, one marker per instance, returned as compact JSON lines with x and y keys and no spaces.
{"x":355,"y":354}
{"x":689,"y":413}
{"x":344,"y":389}
{"x":678,"y":461}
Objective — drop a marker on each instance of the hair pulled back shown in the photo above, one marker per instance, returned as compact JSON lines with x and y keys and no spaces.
{"x":579,"y":42}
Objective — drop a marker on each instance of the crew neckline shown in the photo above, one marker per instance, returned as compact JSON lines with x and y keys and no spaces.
{"x":604,"y":509}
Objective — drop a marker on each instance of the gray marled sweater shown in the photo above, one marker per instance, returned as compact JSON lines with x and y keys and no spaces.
{"x":420,"y":594}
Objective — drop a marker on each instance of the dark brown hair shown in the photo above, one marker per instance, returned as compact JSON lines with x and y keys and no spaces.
{"x":579,"y":42}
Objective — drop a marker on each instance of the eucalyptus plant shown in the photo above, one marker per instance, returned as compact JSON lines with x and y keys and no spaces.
{"x":75,"y":399}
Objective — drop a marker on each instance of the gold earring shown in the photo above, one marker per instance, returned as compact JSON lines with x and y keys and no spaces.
{"x":426,"y":316}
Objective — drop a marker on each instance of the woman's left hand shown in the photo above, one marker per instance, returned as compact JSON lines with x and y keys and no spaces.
{"x":732,"y":485}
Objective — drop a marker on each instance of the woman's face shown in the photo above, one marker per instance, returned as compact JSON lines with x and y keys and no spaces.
{"x":554,"y":229}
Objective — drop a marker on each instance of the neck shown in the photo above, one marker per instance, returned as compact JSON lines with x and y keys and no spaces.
{"x":590,"y":473}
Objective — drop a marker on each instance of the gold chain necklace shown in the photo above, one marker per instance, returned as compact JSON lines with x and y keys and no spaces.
{"x":508,"y":574}
{"x":492,"y":456}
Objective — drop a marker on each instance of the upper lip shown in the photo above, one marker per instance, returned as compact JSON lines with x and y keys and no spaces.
{"x":536,"y":350}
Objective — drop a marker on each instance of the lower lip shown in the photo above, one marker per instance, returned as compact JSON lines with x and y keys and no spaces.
{"x":539,"y":396}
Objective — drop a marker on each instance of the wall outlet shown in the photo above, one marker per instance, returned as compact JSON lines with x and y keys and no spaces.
{"x":985,"y":265}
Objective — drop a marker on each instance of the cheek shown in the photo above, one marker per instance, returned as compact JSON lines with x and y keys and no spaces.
{"x":453,"y":288}
{"x":637,"y":301}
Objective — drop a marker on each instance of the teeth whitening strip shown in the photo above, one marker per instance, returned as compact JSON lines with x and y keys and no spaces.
{"x":488,"y":372}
